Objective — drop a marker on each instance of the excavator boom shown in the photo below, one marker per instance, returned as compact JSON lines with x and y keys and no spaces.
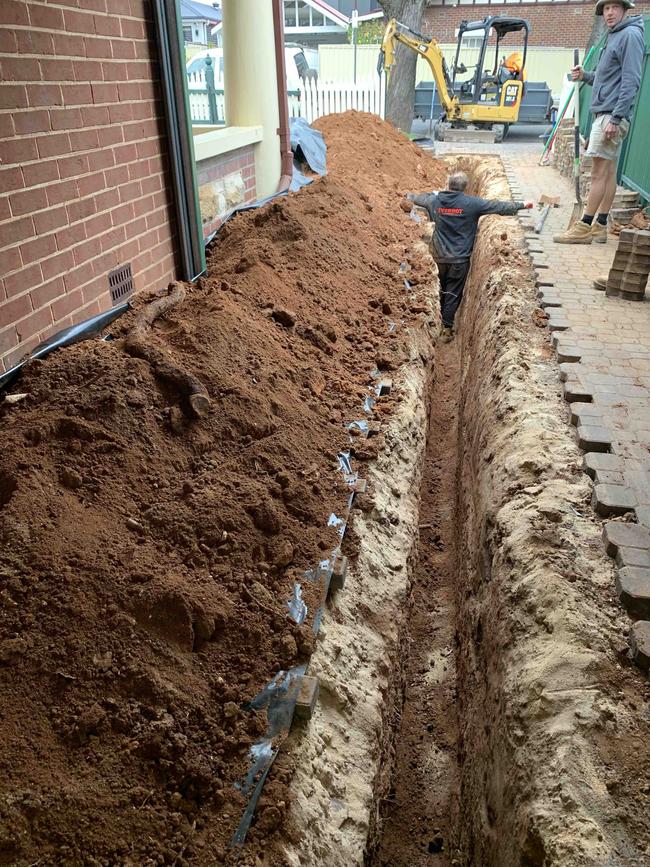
{"x":427,"y":48}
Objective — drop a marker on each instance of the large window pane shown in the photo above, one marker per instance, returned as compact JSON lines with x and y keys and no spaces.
{"x":289,"y":13}
{"x":303,"y":15}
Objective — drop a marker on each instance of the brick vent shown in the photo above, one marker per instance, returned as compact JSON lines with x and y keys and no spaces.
{"x":120,"y":283}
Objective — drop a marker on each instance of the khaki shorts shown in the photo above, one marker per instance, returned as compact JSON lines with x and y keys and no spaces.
{"x":599,"y":146}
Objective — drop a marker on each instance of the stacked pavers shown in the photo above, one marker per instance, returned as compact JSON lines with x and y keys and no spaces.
{"x":624,"y":206}
{"x":629,"y":272}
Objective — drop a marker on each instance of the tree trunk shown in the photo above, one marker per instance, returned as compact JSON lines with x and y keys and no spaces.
{"x":400,"y":97}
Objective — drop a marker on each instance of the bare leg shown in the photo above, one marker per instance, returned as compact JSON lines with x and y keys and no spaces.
{"x":610,"y":188}
{"x":603,"y":172}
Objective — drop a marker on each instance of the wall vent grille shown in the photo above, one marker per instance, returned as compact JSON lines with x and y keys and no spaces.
{"x":120,"y":283}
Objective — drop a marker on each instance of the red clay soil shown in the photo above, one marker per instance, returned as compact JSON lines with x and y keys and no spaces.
{"x":147,"y":556}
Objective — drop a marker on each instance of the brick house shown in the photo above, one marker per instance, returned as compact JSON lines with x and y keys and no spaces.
{"x":554,"y":23}
{"x":87,"y":180}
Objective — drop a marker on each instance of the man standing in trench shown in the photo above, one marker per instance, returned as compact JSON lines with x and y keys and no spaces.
{"x":455,"y":216}
{"x":615,"y":86}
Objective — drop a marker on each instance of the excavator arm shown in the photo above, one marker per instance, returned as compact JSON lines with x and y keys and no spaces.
{"x":426,"y":48}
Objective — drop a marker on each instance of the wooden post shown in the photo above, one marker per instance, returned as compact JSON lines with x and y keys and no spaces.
{"x":212,"y":95}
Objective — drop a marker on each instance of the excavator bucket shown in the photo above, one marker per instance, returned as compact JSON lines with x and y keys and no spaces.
{"x":445,"y":132}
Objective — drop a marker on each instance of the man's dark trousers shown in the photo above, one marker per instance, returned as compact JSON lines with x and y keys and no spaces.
{"x":452,"y":282}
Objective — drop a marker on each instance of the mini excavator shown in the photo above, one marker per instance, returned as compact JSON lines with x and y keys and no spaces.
{"x":486,"y":100}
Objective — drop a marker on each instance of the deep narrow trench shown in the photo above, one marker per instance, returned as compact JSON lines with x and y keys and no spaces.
{"x":418,"y":815}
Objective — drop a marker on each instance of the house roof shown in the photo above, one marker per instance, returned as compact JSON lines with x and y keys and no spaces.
{"x":326,"y":9}
{"x":190,"y":9}
{"x":370,"y":16}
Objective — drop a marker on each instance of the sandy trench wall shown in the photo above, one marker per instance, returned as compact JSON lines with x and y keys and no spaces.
{"x":344,"y":756}
{"x":536,"y":610}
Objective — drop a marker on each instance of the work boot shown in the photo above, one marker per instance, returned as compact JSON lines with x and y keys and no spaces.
{"x":598,"y":233}
{"x":578,"y":233}
{"x":600,"y":283}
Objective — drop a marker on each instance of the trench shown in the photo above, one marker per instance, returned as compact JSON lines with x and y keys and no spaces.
{"x":419,"y":811}
{"x":467,"y":673}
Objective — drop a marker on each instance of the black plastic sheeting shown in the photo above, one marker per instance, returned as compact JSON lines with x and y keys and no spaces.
{"x":308,"y":146}
{"x":67,"y":337}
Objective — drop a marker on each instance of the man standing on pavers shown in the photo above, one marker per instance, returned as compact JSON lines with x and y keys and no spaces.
{"x":615,"y":86}
{"x":455,"y":216}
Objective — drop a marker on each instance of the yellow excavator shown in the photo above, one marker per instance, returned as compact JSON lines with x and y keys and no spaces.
{"x":486,"y":100}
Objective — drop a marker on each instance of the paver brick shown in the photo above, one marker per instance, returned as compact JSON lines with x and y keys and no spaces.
{"x":576,"y":391}
{"x":618,"y":535}
{"x":568,"y":353}
{"x":594,"y":461}
{"x":609,"y":477}
{"x":594,"y":438}
{"x":633,"y":588}
{"x":640,"y":644}
{"x":610,"y":500}
{"x":643,"y":515}
{"x":633,"y":557}
{"x":587,"y":413}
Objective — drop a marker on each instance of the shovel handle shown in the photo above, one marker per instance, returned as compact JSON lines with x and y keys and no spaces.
{"x":576,"y":132}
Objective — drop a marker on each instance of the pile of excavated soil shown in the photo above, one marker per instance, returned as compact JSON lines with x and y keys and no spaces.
{"x":147,"y":556}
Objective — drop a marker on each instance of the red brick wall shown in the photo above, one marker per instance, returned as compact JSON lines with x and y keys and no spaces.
{"x":241,"y":161}
{"x":84,"y":179}
{"x":558,"y":25}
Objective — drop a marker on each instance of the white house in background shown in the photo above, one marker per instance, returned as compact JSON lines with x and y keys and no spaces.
{"x":313,"y":22}
{"x":198,"y":21}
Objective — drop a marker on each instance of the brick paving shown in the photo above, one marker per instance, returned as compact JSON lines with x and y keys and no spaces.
{"x":603,"y":349}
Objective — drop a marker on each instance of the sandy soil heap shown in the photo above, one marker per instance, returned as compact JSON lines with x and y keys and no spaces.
{"x":147,"y":556}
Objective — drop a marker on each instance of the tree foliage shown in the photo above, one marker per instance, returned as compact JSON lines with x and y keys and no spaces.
{"x":369,"y":32}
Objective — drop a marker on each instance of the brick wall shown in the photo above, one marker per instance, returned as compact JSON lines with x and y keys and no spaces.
{"x":558,"y":25}
{"x":84,"y":176}
{"x":225,"y":181}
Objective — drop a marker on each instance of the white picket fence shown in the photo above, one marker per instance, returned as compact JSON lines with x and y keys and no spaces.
{"x":316,"y":99}
{"x":308,"y":99}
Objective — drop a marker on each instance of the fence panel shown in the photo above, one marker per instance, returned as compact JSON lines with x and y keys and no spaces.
{"x":317,"y":99}
{"x":311,"y":99}
{"x":635,"y":168}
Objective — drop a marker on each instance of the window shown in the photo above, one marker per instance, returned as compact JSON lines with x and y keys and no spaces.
{"x":290,"y":13}
{"x":187,"y":34}
{"x":471,"y":40}
{"x":318,"y":19}
{"x":303,"y":15}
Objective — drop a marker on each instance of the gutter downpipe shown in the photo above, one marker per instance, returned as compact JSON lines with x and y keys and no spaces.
{"x":286,"y":155}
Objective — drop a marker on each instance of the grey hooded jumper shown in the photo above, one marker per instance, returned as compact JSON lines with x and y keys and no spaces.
{"x":456,"y":217}
{"x":617,"y":77}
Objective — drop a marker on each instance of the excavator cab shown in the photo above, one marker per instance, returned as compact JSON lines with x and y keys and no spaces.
{"x":486,"y":84}
{"x":489,"y":98}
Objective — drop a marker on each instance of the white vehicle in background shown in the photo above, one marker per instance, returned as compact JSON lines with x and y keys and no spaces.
{"x":300,"y":62}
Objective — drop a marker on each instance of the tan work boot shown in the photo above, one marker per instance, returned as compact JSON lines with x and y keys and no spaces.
{"x":578,"y":233}
{"x":600,"y":283}
{"x":598,"y":233}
